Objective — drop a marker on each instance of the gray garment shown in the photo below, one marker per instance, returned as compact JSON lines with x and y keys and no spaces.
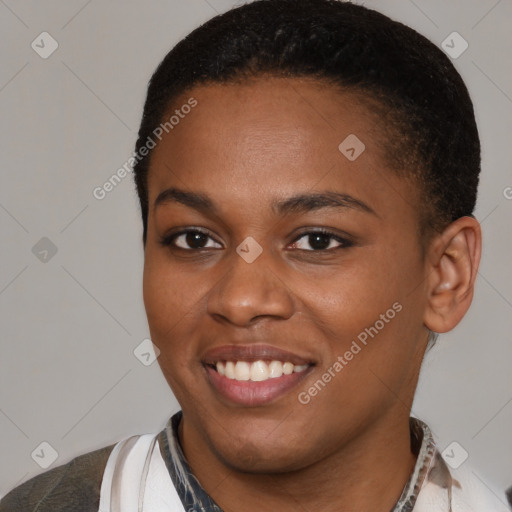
{"x":74,"y":486}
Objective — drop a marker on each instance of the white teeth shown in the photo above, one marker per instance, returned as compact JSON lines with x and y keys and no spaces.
{"x":230,"y":370}
{"x":275,"y":369}
{"x":287,"y":368}
{"x":242,"y":370}
{"x":258,"y":370}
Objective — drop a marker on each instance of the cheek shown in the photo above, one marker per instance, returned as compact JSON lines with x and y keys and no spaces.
{"x":167,"y":298}
{"x":367,"y":299}
{"x":172,"y":314}
{"x":350,"y":296}
{"x":175,"y":302}
{"x":169,"y":292}
{"x":158,"y":292}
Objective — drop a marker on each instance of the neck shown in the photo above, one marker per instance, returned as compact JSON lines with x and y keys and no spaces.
{"x":369,"y":473}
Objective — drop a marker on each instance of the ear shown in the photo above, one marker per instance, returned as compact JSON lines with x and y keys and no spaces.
{"x":453,"y":261}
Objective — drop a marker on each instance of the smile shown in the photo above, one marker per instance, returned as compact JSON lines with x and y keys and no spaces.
{"x":254,"y":375}
{"x":257,"y":371}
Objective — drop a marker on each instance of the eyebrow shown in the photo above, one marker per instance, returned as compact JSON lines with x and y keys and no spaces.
{"x":301,"y":203}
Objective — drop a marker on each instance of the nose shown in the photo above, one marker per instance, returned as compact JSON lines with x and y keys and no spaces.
{"x":249,"y":291}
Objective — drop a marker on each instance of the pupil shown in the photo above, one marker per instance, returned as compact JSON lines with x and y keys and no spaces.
{"x":319,"y":241}
{"x":196,"y":240}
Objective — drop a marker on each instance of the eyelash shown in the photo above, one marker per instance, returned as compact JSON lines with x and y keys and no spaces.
{"x":168,"y":241}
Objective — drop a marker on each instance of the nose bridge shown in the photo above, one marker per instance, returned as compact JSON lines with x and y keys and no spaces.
{"x":250,"y":287}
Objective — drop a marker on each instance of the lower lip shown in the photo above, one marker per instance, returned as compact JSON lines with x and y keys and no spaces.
{"x":251,"y":393}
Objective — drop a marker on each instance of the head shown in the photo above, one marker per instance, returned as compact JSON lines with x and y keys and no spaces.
{"x":269,"y":123}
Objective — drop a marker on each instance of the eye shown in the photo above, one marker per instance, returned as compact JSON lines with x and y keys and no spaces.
{"x":196,"y":239}
{"x":321,"y":240}
{"x":189,"y":240}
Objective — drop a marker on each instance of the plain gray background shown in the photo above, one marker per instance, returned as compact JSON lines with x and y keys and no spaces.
{"x":70,"y":324}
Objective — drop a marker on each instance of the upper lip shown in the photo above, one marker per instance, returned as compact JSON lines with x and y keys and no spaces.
{"x":253,"y":352}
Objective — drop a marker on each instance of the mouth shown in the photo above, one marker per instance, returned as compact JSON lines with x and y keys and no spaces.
{"x":254,"y":375}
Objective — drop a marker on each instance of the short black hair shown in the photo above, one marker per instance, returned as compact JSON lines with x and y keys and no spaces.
{"x":424,"y":106}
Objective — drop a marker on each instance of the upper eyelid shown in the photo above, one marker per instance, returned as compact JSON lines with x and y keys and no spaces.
{"x":345,"y":241}
{"x":177,"y":234}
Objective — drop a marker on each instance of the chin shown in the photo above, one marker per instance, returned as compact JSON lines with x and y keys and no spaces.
{"x":255,"y":462}
{"x":256,"y":454}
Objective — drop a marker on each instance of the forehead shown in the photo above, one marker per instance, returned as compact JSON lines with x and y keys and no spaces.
{"x":274,"y":134}
{"x":304,"y":113}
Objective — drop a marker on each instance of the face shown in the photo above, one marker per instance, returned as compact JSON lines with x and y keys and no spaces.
{"x":283,"y":277}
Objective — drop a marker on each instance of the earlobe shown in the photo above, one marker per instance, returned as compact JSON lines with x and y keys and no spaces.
{"x":453,"y":266}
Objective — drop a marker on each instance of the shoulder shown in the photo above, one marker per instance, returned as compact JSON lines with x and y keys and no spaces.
{"x":73,"y":486}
